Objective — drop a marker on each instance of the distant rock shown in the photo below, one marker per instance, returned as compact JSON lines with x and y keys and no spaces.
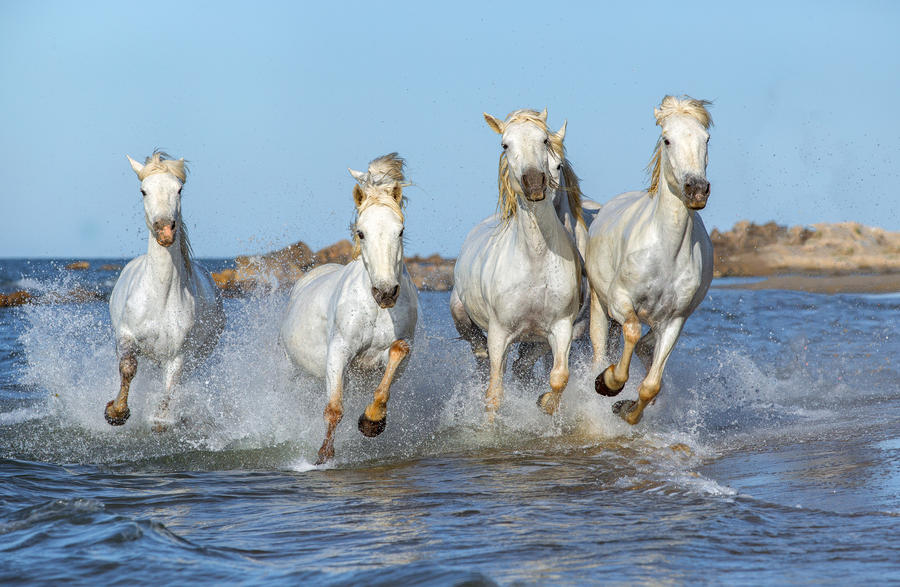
{"x":78,"y":265}
{"x":16,"y":298}
{"x":110,"y":267}
{"x":751,"y":249}
{"x":282,"y":268}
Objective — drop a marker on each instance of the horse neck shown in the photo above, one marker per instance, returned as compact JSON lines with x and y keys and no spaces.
{"x":563,"y":209}
{"x":167,"y":264}
{"x":538,"y":224}
{"x":674,"y":220}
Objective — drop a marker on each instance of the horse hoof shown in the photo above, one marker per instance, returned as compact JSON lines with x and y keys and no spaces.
{"x":548,"y":402}
{"x":324,"y":455}
{"x":623,"y":407}
{"x":116,"y":420}
{"x":603,"y":389}
{"x":371,"y":428}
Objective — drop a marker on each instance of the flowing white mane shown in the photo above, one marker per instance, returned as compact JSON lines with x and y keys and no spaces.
{"x":671,"y":105}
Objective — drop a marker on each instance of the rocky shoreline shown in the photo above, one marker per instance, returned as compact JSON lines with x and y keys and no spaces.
{"x":843,"y":257}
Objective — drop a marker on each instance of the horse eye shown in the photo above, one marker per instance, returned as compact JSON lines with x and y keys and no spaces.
{"x":401,"y":232}
{"x":360,"y":235}
{"x":143,"y":192}
{"x":505,"y":146}
{"x":547,"y":142}
{"x":558,"y":167}
{"x":179,"y":191}
{"x":666,"y":141}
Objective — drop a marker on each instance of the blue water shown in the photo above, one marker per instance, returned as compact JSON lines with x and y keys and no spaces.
{"x":771,"y":456}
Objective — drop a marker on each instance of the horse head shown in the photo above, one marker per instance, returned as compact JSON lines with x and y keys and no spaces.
{"x":162,"y":179}
{"x":681,"y":153}
{"x":525,"y":163}
{"x":378,"y":230}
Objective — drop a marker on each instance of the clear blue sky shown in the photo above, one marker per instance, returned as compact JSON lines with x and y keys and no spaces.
{"x":272,"y":101}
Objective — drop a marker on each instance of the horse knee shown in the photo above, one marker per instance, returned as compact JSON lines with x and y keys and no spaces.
{"x":632,"y":330}
{"x":559,"y":379}
{"x":128,"y":366}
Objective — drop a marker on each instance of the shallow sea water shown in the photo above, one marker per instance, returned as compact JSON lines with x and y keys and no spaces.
{"x":771,"y":456}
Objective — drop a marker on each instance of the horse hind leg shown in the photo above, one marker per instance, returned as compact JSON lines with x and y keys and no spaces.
{"x":529,"y":353}
{"x":470,"y":332}
{"x":644,"y":349}
{"x":373,"y":420}
{"x":117,"y":411}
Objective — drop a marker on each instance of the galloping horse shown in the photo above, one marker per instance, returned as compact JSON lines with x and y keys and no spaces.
{"x":164,"y":306}
{"x":518,"y":275}
{"x":362,"y":314}
{"x":649,"y":258}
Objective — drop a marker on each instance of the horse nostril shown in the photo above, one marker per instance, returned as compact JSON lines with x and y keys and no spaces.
{"x":376,"y":294}
{"x":707,"y":188}
{"x":395,"y":292}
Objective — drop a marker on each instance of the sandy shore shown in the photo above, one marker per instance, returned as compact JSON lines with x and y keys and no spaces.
{"x":885,"y":283}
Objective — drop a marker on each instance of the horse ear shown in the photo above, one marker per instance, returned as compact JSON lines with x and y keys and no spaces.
{"x":359,"y":176}
{"x":561,"y":133}
{"x":135,"y":165}
{"x":358,"y":195}
{"x":657,"y":113}
{"x":494,"y":123}
{"x":543,"y":115}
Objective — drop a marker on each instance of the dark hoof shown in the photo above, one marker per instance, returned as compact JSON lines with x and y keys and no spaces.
{"x":601,"y":387}
{"x":623,"y":407}
{"x":116,"y":420}
{"x":371,"y":428}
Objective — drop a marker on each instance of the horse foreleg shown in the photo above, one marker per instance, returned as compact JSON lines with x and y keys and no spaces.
{"x":372,"y":421}
{"x":334,"y":409}
{"x":162,"y":418}
{"x":611,"y":381}
{"x":631,"y":411}
{"x":117,"y":411}
{"x":498,"y":347}
{"x":560,"y":339}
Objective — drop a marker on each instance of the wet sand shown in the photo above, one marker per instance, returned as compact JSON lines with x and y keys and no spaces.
{"x":832,"y":284}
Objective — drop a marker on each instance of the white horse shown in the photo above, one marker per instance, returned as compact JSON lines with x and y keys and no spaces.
{"x":518,"y":275}
{"x":164,"y":306}
{"x":649,"y":257}
{"x":363,"y":314}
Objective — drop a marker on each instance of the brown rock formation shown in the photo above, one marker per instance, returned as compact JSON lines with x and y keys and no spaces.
{"x":16,"y":298}
{"x":78,"y":265}
{"x":751,"y":249}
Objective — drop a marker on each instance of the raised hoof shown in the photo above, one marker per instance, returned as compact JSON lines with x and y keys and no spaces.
{"x":623,"y":407}
{"x":116,"y":420}
{"x":548,"y":402}
{"x":371,"y":428}
{"x":603,"y":389}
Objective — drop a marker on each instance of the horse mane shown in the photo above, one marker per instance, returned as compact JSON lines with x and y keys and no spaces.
{"x":384,"y":174}
{"x":161,"y":162}
{"x":671,"y":105}
{"x":507,"y":204}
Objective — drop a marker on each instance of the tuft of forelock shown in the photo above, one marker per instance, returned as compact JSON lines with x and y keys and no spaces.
{"x":384,"y":175}
{"x":162,"y":162}
{"x":670,"y":106}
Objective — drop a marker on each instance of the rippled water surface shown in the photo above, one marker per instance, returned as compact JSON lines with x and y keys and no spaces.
{"x":771,"y":456}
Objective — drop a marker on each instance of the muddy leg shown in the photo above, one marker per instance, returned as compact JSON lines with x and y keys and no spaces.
{"x":631,"y":411}
{"x":611,"y":381}
{"x":334,"y":410}
{"x":372,"y":421}
{"x":560,"y":340}
{"x":117,"y":412}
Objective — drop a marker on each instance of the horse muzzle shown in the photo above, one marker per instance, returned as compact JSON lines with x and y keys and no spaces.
{"x":534,"y":185}
{"x":696,"y":193}
{"x":164,"y":231}
{"x":386,"y":298}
